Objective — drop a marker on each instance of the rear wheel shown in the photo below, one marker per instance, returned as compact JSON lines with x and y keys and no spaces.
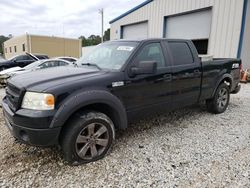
{"x":87,"y":138}
{"x":220,"y":101}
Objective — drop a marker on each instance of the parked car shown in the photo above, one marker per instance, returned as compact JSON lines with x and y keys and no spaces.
{"x":71,"y":59}
{"x":37,"y":65}
{"x":21,"y":60}
{"x":120,"y":81}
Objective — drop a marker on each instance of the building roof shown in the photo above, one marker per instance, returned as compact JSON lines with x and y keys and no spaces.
{"x":34,"y":35}
{"x":130,"y":11}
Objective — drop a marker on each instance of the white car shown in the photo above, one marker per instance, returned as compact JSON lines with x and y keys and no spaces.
{"x":37,"y":65}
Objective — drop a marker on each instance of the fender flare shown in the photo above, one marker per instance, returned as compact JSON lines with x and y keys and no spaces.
{"x":220,"y":80}
{"x":80,"y":99}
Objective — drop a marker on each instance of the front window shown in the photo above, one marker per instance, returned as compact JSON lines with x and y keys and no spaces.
{"x":49,"y":64}
{"x":152,"y":52}
{"x":112,"y":55}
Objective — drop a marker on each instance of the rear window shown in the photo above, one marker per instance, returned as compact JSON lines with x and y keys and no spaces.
{"x":181,"y":53}
{"x":68,"y":59}
{"x":42,"y":56}
{"x":23,"y":58}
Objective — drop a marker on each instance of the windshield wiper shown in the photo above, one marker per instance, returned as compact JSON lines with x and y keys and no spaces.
{"x":92,"y":64}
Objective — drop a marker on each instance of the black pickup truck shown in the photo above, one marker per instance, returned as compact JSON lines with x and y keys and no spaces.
{"x":79,"y":109}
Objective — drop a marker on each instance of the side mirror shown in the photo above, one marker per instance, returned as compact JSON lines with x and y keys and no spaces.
{"x":144,"y":67}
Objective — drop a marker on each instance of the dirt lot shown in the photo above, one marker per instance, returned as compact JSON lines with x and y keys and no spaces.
{"x":186,"y":148}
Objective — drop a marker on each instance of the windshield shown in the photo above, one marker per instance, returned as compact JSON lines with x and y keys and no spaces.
{"x":110,"y":55}
{"x":33,"y":65}
{"x":14,"y":57}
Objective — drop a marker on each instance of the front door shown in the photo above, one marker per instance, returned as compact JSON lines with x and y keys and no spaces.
{"x":149,"y":93}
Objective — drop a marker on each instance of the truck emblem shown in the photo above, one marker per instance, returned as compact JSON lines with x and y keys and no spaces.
{"x":117,"y":84}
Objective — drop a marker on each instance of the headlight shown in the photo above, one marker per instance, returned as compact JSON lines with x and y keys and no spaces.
{"x":38,"y":101}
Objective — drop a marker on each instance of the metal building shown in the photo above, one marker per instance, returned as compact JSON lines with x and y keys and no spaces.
{"x":51,"y":46}
{"x":217,"y":27}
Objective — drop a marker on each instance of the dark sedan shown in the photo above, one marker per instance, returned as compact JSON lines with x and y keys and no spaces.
{"x":21,"y":60}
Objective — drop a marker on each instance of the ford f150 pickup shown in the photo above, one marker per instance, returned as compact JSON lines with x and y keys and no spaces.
{"x":80,"y":109}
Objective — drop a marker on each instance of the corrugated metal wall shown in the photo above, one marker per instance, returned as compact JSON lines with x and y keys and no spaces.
{"x":225,"y":29}
{"x":55,"y":46}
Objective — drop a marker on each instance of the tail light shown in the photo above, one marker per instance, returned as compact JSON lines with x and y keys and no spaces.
{"x":241,"y":67}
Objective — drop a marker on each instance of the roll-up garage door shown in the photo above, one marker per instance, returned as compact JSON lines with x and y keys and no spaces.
{"x":196,"y":25}
{"x":135,"y":31}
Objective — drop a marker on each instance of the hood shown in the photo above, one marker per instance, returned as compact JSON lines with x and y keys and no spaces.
{"x":11,"y":70}
{"x":40,"y":80}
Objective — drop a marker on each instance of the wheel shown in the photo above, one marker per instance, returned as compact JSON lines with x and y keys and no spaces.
{"x":220,"y":101}
{"x":87,"y":138}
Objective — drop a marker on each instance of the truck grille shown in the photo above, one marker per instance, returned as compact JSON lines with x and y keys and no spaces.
{"x":13,"y":96}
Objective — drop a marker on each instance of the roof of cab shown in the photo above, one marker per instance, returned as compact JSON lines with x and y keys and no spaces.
{"x":148,"y":39}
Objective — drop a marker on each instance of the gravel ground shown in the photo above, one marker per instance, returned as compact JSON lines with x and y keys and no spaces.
{"x":185,"y":148}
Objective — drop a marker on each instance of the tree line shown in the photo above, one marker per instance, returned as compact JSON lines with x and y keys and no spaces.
{"x":95,"y":39}
{"x":2,"y":40}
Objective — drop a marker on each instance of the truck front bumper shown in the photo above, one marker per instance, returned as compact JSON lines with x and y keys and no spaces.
{"x":26,"y":134}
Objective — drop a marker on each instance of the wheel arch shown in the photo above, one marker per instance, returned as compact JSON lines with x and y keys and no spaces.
{"x":97,"y":100}
{"x":225,"y":78}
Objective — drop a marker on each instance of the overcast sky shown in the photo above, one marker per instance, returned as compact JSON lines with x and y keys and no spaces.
{"x":69,"y":18}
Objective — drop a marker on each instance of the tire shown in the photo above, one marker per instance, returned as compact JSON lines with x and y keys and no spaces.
{"x":221,"y":99}
{"x":87,"y":137}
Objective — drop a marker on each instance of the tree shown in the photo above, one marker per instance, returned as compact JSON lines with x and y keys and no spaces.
{"x":2,"y":40}
{"x":95,"y":39}
{"x":106,"y":36}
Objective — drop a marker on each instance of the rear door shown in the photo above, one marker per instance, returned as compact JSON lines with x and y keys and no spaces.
{"x":186,"y":73}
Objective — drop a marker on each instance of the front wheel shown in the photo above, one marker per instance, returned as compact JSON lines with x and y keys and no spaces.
{"x":87,"y":138}
{"x":220,"y":102}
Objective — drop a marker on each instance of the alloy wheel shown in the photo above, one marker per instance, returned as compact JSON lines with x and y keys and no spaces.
{"x":92,"y":141}
{"x":222,"y":98}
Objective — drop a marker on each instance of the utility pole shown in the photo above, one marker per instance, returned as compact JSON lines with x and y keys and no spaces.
{"x":101,"y":11}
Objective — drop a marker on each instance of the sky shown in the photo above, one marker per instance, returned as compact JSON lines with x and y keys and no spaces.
{"x":67,"y":18}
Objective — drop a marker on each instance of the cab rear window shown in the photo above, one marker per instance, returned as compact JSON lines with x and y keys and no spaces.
{"x":181,"y":53}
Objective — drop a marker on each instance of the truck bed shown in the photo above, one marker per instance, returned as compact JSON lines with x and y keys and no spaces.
{"x":215,"y":70}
